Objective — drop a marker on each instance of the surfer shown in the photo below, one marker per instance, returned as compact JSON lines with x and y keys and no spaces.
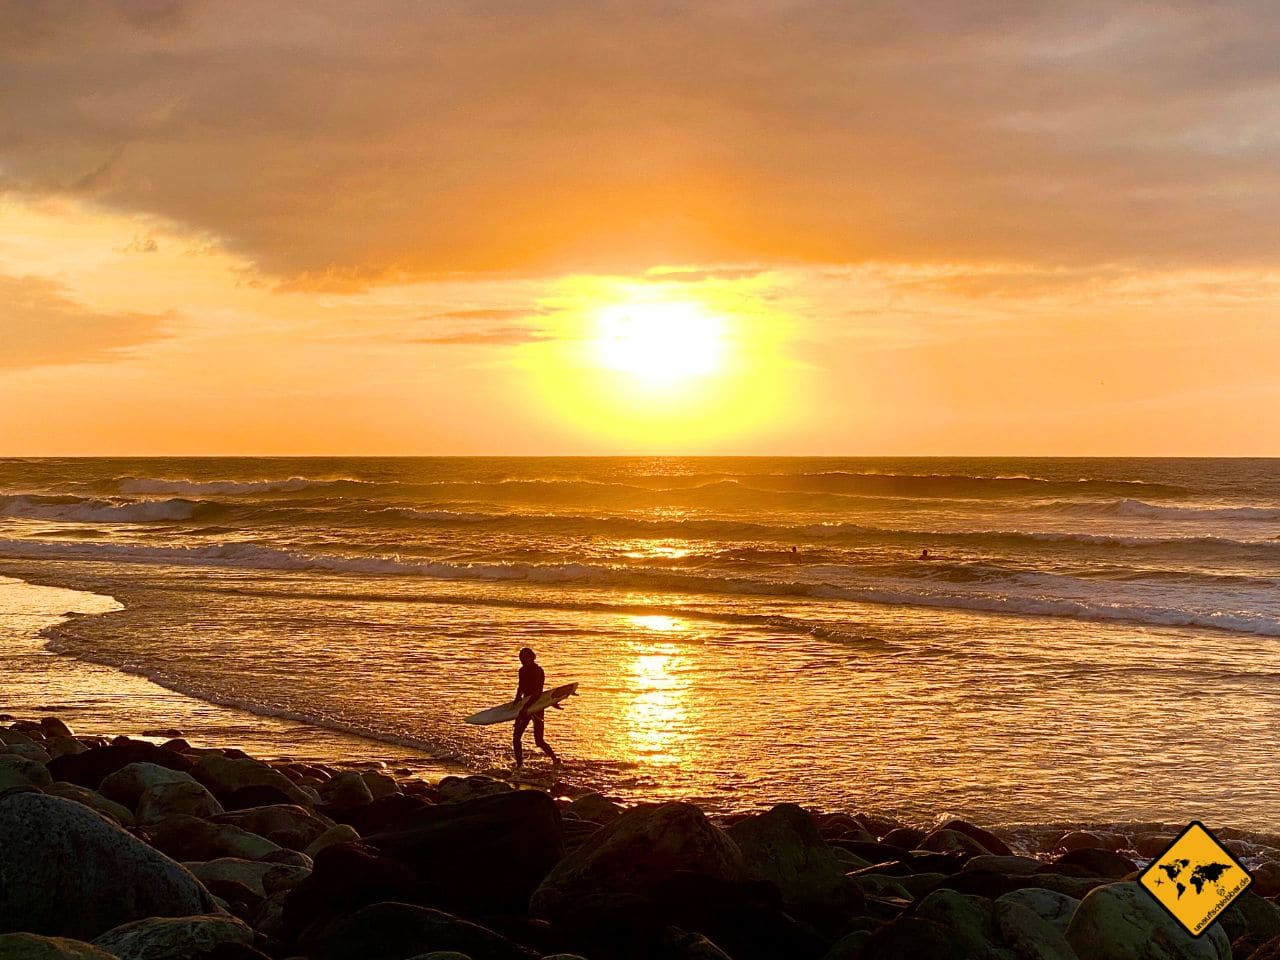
{"x":532,"y":680}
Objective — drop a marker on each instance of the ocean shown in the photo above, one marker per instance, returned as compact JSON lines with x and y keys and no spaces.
{"x":1087,"y":640}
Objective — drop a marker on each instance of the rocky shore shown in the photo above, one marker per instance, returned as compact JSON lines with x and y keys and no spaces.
{"x":139,"y":850}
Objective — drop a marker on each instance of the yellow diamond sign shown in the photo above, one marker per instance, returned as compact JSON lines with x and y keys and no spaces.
{"x":1195,"y":879}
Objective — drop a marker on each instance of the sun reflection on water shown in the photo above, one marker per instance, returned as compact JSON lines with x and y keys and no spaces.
{"x":657,"y":715}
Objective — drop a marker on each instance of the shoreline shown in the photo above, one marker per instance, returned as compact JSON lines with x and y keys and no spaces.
{"x":252,"y":858}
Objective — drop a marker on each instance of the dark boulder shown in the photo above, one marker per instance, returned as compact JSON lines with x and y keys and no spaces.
{"x":90,"y":768}
{"x":347,"y":876}
{"x":1098,"y":863}
{"x":398,"y":931}
{"x":69,"y":872}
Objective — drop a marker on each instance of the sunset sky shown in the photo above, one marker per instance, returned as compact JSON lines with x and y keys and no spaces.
{"x":744,"y":226}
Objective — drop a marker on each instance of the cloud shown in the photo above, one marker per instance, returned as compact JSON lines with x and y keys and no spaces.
{"x":503,"y":336}
{"x":340,"y":145}
{"x":41,"y":326}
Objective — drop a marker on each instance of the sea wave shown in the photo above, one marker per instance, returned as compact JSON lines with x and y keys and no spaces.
{"x":80,"y":510}
{"x":254,"y":556}
{"x":152,"y":485}
{"x":1140,"y":509}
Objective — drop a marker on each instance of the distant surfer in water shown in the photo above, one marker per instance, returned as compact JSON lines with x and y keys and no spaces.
{"x":532,"y":680}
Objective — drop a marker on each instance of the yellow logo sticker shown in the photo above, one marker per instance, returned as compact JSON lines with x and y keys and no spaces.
{"x":1195,"y":879}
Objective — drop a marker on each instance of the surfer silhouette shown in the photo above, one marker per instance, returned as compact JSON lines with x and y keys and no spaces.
{"x":532,"y":679}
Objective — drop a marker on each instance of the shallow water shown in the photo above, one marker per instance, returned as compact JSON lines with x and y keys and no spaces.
{"x":1092,"y":641}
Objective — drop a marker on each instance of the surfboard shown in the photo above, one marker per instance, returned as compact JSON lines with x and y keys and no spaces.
{"x":507,"y":712}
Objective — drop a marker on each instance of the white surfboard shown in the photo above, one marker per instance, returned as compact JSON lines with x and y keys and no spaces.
{"x":507,"y":712}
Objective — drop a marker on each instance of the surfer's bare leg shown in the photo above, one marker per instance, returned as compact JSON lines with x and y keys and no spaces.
{"x":538,"y":729}
{"x":517,"y":735}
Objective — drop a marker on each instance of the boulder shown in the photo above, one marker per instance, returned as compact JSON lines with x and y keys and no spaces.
{"x":968,"y":920}
{"x":638,"y":851}
{"x":1249,"y":914}
{"x":16,"y":738}
{"x":28,"y":750}
{"x":985,"y":838}
{"x":499,"y":848}
{"x":881,"y":886}
{"x":380,"y":784}
{"x":458,"y":789}
{"x":1151,"y":845}
{"x":384,"y":815}
{"x":347,"y":876}
{"x":116,"y":877}
{"x":90,"y":768}
{"x":164,"y":800}
{"x":911,"y":938}
{"x":398,"y":930}
{"x":174,"y":938}
{"x":285,"y":824}
{"x":30,"y":946}
{"x":1080,"y":840}
{"x":224,"y":776}
{"x":347,"y":789}
{"x":341,"y":833}
{"x":16,"y":771}
{"x":952,"y":841}
{"x":996,"y":864}
{"x":261,"y":879}
{"x":127,"y":785}
{"x":64,"y":747}
{"x":1056,"y":908}
{"x":1121,"y":921}
{"x":55,"y":727}
{"x":595,"y":808}
{"x":93,"y":800}
{"x":1028,"y":935}
{"x":1098,"y":863}
{"x":784,"y":847}
{"x":190,"y":838}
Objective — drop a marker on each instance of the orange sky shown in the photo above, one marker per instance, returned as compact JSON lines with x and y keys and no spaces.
{"x":720,"y":227}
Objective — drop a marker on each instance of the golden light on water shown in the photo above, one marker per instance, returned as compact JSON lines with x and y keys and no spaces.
{"x":660,"y":362}
{"x":656,"y":716}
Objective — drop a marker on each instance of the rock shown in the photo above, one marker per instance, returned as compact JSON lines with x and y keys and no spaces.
{"x":881,"y":887}
{"x":1098,"y":863}
{"x":90,"y":768}
{"x":968,"y":920}
{"x":128,"y":784}
{"x":55,"y":727}
{"x":1266,"y":879}
{"x":226,"y":775}
{"x":459,"y":789}
{"x":848,"y":947}
{"x":390,"y":930}
{"x":384,"y":815}
{"x":174,"y":938}
{"x":1015,"y":865}
{"x":380,"y":785}
{"x":637,"y":851}
{"x":1080,"y":840}
{"x":1252,"y":915}
{"x":1121,"y":921}
{"x":291,"y":858}
{"x":28,"y":750}
{"x":29,"y":946}
{"x":65,"y":747}
{"x":347,"y":876}
{"x":952,"y":841}
{"x":784,"y":847}
{"x":164,"y":800}
{"x":1056,"y":908}
{"x":347,"y":789}
{"x":16,"y":771}
{"x":595,"y":808}
{"x":499,"y":849}
{"x":190,"y":838}
{"x":16,"y":738}
{"x":908,"y":838}
{"x":285,"y":824}
{"x":342,"y":833}
{"x":117,"y":878}
{"x":262,"y":879}
{"x":1028,"y":935}
{"x":93,"y":800}
{"x":1151,"y":845}
{"x":911,"y":938}
{"x":985,"y":838}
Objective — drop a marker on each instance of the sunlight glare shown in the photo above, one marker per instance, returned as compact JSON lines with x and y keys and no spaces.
{"x":660,"y":343}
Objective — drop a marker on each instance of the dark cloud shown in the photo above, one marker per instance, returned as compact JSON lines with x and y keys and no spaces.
{"x":336,"y":143}
{"x":41,"y":326}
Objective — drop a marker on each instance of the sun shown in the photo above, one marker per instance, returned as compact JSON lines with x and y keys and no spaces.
{"x":660,"y":343}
